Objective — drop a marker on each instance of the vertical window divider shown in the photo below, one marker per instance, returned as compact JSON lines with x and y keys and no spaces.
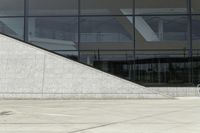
{"x":79,"y":26}
{"x":134,"y":50}
{"x":26,"y":9}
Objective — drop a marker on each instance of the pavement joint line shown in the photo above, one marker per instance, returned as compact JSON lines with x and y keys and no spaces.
{"x":118,"y":122}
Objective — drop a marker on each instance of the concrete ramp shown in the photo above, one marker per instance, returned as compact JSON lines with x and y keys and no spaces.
{"x":27,"y":72}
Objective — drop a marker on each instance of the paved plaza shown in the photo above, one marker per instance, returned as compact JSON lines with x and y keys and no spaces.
{"x":100,"y":116}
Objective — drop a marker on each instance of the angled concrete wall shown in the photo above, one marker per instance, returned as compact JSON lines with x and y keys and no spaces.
{"x":29,"y":72}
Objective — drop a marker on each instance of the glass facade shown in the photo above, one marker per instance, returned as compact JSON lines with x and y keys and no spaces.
{"x":153,"y":43}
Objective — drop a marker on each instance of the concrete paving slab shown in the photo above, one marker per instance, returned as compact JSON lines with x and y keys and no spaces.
{"x":100,"y":116}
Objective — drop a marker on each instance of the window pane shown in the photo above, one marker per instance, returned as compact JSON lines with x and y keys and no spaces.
{"x":165,"y":31}
{"x":107,"y":44}
{"x":53,"y":7}
{"x":161,"y":50}
{"x":117,"y":62}
{"x":196,"y":49}
{"x":58,"y":34}
{"x":161,"y":6}
{"x":11,"y":7}
{"x":196,"y":32}
{"x":107,"y":7}
{"x":106,"y":33}
{"x":12,"y":26}
{"x":195,"y":6}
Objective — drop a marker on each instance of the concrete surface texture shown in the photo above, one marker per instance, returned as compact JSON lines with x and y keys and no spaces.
{"x":178,"y":91}
{"x":100,"y":116}
{"x":29,"y":72}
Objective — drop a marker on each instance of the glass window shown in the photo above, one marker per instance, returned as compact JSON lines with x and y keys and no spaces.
{"x":195,"y":6}
{"x":162,"y":50}
{"x":53,"y":7}
{"x":107,"y":7}
{"x":106,"y":33}
{"x":107,"y":43}
{"x":12,"y":26}
{"x":163,"y":32}
{"x":117,"y":62}
{"x":196,"y":32}
{"x":196,"y":48}
{"x":58,"y":34}
{"x":160,"y":6}
{"x":11,"y":7}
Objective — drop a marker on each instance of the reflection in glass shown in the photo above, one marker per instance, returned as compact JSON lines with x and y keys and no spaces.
{"x":195,"y":6}
{"x":11,"y":7}
{"x":161,"y":6}
{"x":12,"y":27}
{"x":56,"y":34}
{"x":111,"y":34}
{"x":106,"y":30}
{"x":162,"y":28}
{"x":163,"y":32}
{"x":196,"y":32}
{"x":107,"y":7}
{"x":196,"y":48}
{"x":107,"y":44}
{"x":53,"y":7}
{"x":162,"y":50}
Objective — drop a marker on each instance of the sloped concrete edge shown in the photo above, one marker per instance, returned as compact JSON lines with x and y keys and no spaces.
{"x":28,"y":72}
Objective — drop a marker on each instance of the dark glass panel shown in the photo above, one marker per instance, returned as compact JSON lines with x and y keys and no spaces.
{"x":53,"y":7}
{"x":162,"y":51}
{"x":58,"y":34}
{"x":196,"y":32}
{"x":107,"y":44}
{"x":160,"y":6}
{"x":108,"y":33}
{"x":11,"y":7}
{"x":107,"y":7}
{"x":13,"y":27}
{"x":196,"y":49}
{"x":195,"y":6}
{"x":161,"y":32}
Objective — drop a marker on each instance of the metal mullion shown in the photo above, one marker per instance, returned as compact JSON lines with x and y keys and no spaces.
{"x":195,"y":14}
{"x":175,"y":14}
{"x":49,"y":16}
{"x":79,"y":30}
{"x":26,"y":9}
{"x":104,"y":15}
{"x":11,"y":16}
{"x":134,"y":43}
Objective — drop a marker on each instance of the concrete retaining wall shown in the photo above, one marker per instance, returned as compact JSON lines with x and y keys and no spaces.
{"x":27,"y":72}
{"x":178,"y":91}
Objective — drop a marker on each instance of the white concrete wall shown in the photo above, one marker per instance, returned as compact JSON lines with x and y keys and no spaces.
{"x":29,"y":72}
{"x":178,"y":91}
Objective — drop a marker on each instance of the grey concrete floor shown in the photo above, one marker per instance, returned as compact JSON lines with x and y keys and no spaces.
{"x":99,"y":116}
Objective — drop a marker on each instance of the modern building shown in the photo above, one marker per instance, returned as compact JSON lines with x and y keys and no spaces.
{"x":149,"y":42}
